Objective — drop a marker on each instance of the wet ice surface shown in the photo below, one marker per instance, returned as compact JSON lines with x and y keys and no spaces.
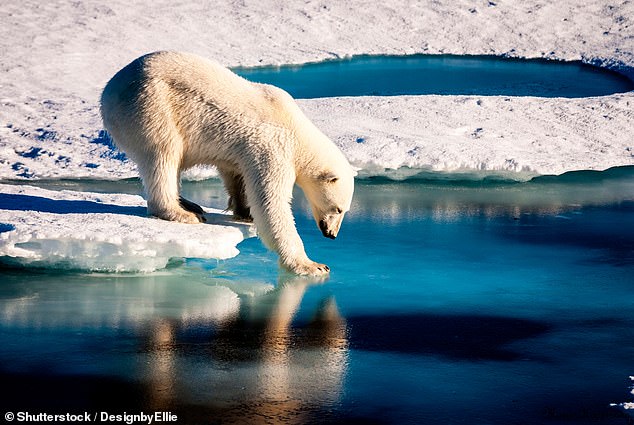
{"x":448,"y":302}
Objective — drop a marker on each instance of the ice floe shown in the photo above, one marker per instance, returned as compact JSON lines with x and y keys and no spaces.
{"x":104,"y":232}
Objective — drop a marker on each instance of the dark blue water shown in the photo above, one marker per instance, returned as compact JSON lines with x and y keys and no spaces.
{"x":442,"y":75}
{"x":448,"y":303}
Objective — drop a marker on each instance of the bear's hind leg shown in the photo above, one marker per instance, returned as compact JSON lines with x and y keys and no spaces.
{"x":161,"y":182}
{"x":191,"y":206}
{"x":234,"y":183}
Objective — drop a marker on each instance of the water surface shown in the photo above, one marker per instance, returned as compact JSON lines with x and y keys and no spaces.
{"x":448,"y":302}
{"x":441,"y":75}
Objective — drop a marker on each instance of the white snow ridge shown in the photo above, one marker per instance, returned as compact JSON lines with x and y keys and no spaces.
{"x":104,"y":232}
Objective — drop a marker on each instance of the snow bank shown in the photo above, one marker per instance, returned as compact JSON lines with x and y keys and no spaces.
{"x":103,"y":232}
{"x":57,"y":56}
{"x":517,"y":137}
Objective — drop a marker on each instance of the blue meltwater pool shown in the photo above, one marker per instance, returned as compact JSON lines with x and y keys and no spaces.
{"x":442,"y":75}
{"x":448,"y":303}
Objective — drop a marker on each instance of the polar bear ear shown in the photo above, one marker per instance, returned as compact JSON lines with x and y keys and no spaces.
{"x":329,"y":177}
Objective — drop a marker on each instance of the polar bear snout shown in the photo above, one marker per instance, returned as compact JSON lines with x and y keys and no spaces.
{"x":329,"y":226}
{"x":323,"y":226}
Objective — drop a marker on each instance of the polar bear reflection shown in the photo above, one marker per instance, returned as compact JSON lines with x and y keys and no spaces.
{"x":232,"y":355}
{"x":261,"y":367}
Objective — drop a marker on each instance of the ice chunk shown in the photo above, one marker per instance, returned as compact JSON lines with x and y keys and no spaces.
{"x":199,"y":172}
{"x":104,"y":232}
{"x":627,"y":407}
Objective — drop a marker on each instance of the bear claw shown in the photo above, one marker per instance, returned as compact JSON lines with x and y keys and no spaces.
{"x":311,"y":269}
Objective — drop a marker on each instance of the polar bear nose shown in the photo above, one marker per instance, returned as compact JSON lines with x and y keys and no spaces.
{"x":323,"y":226}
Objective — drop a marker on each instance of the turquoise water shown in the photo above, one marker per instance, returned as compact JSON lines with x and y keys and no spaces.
{"x":442,"y":75}
{"x":448,"y":302}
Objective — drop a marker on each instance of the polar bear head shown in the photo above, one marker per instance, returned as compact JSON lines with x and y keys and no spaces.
{"x":330,"y":196}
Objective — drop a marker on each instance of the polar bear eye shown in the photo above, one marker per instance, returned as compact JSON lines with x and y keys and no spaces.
{"x":339,"y":210}
{"x":328,"y":177}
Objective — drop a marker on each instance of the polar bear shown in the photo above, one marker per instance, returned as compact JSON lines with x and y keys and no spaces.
{"x":169,"y":111}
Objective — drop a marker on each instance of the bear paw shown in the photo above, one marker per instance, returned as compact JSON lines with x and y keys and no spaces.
{"x":181,"y":216}
{"x":310,"y":268}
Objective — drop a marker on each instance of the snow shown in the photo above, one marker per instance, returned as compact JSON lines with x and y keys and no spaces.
{"x":517,"y":137}
{"x":58,"y":55}
{"x":104,"y":232}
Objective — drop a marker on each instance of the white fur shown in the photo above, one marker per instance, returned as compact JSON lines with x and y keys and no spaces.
{"x":170,"y":111}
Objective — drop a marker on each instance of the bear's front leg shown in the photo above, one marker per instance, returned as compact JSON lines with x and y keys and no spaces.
{"x":282,"y":237}
{"x":270,"y":203}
